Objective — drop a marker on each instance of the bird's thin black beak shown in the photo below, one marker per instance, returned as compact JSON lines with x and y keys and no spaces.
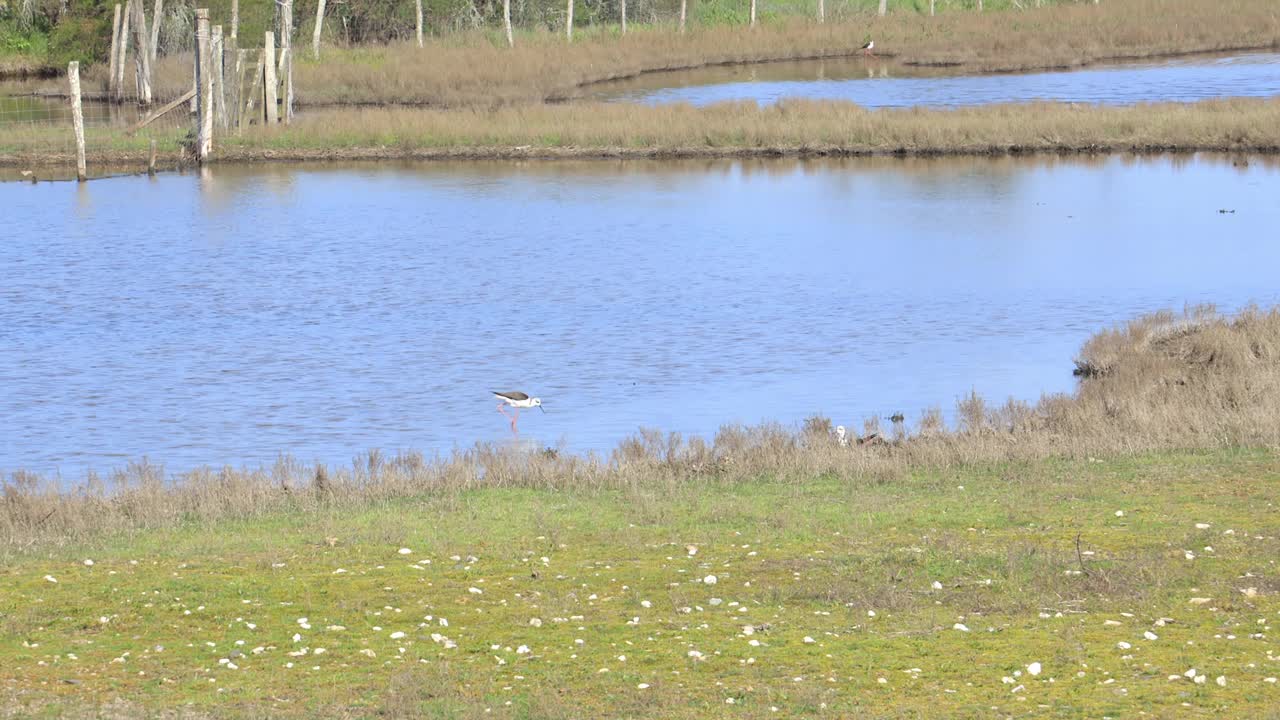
{"x":542,"y":408}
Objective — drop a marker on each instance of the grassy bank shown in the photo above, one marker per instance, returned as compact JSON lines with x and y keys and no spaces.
{"x":475,"y":68}
{"x":935,"y":594}
{"x":790,"y":128}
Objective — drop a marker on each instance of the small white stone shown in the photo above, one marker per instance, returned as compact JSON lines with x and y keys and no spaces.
{"x":475,"y":591}
{"x":691,"y":549}
{"x":522,"y":650}
{"x":1202,"y":526}
{"x":646,"y":604}
{"x":871,"y":613}
{"x":50,"y":578}
{"x":88,"y":563}
{"x":1150,"y":635}
{"x":1201,"y":679}
{"x":643,"y":686}
{"x":1190,"y":673}
{"x":1123,"y":645}
{"x":1033,"y":669}
{"x":405,"y":551}
{"x":1222,"y":681}
{"x":397,"y":635}
{"x":711,"y":580}
{"x":937,"y":585}
{"x":535,"y":622}
{"x":1119,"y":513}
{"x":961,"y":627}
{"x":808,"y":639}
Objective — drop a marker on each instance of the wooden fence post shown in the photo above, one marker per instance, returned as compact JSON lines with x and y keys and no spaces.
{"x":151,"y":159}
{"x":218,"y":66}
{"x":684,"y":6}
{"x":315,"y":35}
{"x":77,"y":118}
{"x":286,"y":53}
{"x":157,"y":14}
{"x":506,"y":22}
{"x":235,"y":18}
{"x":568,"y":22}
{"x":204,"y":87}
{"x":884,"y":7}
{"x":753,"y":12}
{"x":124,"y":46}
{"x":141,"y":53}
{"x":235,"y":91}
{"x":269,"y":79}
{"x":115,"y":52}
{"x":822,"y":11}
{"x":931,"y":8}
{"x":255,"y":91}
{"x":624,"y":17}
{"x":419,"y":10}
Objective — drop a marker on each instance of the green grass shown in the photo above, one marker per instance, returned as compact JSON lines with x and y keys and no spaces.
{"x":813,"y":560}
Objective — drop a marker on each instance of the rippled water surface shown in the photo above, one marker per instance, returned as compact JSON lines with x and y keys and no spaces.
{"x":874,"y":82}
{"x":228,"y":317}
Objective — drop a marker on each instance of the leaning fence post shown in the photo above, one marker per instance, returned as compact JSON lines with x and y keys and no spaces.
{"x":419,"y":12}
{"x":753,"y":12}
{"x":286,"y":52}
{"x":822,"y":11}
{"x":624,"y":17}
{"x":115,"y":52}
{"x":156,"y":15}
{"x":141,"y":53}
{"x":506,"y":22}
{"x":204,"y":89}
{"x":124,"y":46}
{"x":684,"y":7}
{"x":568,"y":23}
{"x":315,"y":34}
{"x":77,"y":118}
{"x":269,"y":79}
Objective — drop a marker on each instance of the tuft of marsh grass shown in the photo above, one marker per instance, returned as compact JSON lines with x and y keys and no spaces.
{"x":1199,"y":380}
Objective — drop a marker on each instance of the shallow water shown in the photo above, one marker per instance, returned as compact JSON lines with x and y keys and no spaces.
{"x":876,"y":83}
{"x":230,"y":315}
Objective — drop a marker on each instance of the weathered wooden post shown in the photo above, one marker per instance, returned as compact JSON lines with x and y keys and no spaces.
{"x":624,"y":17}
{"x":884,"y":7}
{"x":269,"y":79}
{"x":157,"y":14}
{"x":115,"y":52}
{"x":931,"y":8}
{"x":753,"y":12}
{"x":979,"y":5}
{"x":286,"y":56}
{"x":77,"y":118}
{"x":822,"y":11}
{"x":684,"y":6}
{"x":124,"y":46}
{"x":216,"y":51}
{"x":235,"y":18}
{"x":255,"y":92}
{"x":568,"y":23}
{"x":151,"y":159}
{"x":141,"y":53}
{"x":506,"y":22}
{"x":235,"y":92}
{"x":419,"y":9}
{"x":315,"y":34}
{"x":204,"y":87}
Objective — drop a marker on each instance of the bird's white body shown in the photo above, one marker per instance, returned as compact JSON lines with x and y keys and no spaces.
{"x":518,"y":399}
{"x":871,"y":45}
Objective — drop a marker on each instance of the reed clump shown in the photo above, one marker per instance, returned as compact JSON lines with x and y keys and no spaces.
{"x":1199,"y":380}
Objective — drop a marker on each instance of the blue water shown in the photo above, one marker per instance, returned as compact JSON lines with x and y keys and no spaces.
{"x":876,"y":83}
{"x":246,"y":312}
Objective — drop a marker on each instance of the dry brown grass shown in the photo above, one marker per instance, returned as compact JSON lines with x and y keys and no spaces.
{"x":789,"y":128}
{"x":1200,"y":380}
{"x":474,"y":69}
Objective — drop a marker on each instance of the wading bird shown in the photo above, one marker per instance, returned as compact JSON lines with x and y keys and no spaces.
{"x":516,"y":400}
{"x":867,"y":49}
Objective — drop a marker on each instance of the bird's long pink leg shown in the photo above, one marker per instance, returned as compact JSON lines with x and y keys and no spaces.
{"x":504,"y":412}
{"x":514,"y":420}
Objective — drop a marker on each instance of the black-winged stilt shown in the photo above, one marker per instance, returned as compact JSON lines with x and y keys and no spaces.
{"x":516,"y":400}
{"x":867,"y":49}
